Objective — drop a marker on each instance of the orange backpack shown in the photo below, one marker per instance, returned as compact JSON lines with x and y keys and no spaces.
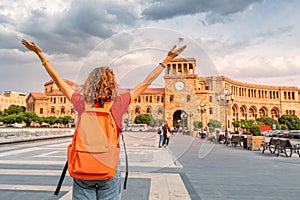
{"x":94,"y":151}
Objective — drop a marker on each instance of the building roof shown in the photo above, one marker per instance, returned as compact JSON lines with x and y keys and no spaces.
{"x":71,"y":83}
{"x":37,"y":95}
{"x":154,"y":90}
{"x":183,"y":60}
{"x":148,"y":90}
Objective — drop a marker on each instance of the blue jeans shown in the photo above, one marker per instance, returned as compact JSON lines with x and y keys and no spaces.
{"x":98,"y":189}
{"x":161,"y":139}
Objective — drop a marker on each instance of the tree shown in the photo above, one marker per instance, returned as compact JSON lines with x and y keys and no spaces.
{"x":213,"y":124}
{"x":144,"y":119}
{"x":159,"y":121}
{"x":255,"y":130}
{"x":283,"y":127}
{"x":14,"y":109}
{"x":268,"y":121}
{"x":66,"y":119}
{"x":197,"y":124}
{"x":29,"y":117}
{"x":51,"y":120}
{"x":291,"y":121}
{"x":10,"y":119}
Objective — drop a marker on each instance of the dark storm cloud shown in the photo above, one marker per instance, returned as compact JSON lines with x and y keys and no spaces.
{"x":79,"y":28}
{"x":215,"y":9}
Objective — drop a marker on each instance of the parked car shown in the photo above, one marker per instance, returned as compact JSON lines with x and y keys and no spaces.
{"x":271,"y":133}
{"x":295,"y":134}
{"x":282,"y":134}
{"x":18,"y":125}
{"x":3,"y":125}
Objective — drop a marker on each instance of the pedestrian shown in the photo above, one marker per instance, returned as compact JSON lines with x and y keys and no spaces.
{"x":98,"y":89}
{"x":180,"y":129}
{"x":166,"y":129}
{"x":161,"y":136}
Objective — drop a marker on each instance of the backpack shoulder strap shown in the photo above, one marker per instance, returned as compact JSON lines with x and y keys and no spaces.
{"x":61,"y":179}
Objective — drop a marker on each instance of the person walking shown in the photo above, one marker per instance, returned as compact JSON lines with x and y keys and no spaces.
{"x":99,"y":89}
{"x":166,"y":129}
{"x":161,"y":136}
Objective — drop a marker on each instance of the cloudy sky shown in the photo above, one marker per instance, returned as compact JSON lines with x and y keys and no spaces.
{"x":255,"y":41}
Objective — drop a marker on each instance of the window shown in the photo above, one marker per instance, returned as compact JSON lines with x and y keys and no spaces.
{"x":62,"y":111}
{"x":188,"y":98}
{"x":171,"y":98}
{"x":160,"y":111}
{"x":148,"y":110}
{"x":41,"y":110}
{"x":137,"y":110}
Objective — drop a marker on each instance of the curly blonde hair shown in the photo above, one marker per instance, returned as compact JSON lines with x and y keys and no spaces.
{"x":99,"y":86}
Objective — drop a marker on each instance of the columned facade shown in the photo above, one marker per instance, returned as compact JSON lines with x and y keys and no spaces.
{"x":185,"y":91}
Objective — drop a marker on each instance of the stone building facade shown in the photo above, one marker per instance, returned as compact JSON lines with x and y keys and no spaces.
{"x":8,"y":98}
{"x":188,"y":97}
{"x":50,"y":103}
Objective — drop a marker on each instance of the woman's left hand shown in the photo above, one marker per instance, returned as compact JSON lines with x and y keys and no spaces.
{"x":174,"y":52}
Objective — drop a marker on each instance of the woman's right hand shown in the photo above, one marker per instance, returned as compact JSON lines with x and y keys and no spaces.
{"x":173,"y":53}
{"x":32,"y":46}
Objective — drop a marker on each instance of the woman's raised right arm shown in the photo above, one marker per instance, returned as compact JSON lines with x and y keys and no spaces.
{"x":66,"y":89}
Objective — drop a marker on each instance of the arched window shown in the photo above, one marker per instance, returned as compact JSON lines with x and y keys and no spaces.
{"x":148,"y":110}
{"x":137,"y":110}
{"x":160,"y":111}
{"x":171,"y":98}
{"x":188,"y":98}
{"x":62,"y":111}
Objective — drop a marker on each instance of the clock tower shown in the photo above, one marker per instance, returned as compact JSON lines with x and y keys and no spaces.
{"x":181,"y":86}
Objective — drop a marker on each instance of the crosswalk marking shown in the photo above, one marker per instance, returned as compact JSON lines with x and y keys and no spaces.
{"x":172,"y":183}
{"x":43,"y":154}
{"x":52,"y":154}
{"x":15,"y":152}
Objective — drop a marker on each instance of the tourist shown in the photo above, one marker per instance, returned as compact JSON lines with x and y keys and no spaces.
{"x":99,"y":88}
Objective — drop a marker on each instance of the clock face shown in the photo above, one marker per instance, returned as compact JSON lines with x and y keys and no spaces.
{"x":179,"y":85}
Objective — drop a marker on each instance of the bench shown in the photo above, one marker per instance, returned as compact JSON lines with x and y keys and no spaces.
{"x":235,"y":140}
{"x":296,"y":149}
{"x":282,"y":146}
{"x":221,"y":138}
{"x":270,"y":145}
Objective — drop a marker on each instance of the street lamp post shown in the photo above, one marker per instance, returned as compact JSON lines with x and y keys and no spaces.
{"x":225,"y":99}
{"x":202,"y":109}
{"x":183,"y":119}
{"x":191,"y":115}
